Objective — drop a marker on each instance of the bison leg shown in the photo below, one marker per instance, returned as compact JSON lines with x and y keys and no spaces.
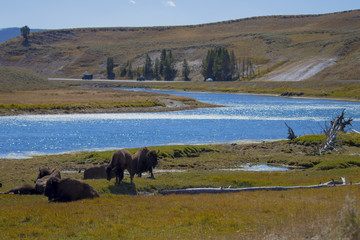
{"x":151,"y":174}
{"x":119,"y":177}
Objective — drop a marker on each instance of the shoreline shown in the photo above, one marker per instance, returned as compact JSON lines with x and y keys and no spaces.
{"x":233,"y":143}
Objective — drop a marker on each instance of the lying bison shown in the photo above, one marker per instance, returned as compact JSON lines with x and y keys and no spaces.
{"x":44,"y":175}
{"x":98,"y":172}
{"x":46,"y":171}
{"x":120,"y":160}
{"x":66,"y":190}
{"x":144,"y":160}
{"x":23,"y":189}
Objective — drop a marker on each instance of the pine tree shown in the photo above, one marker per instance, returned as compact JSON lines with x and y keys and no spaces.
{"x":147,"y":67}
{"x":157,"y":68}
{"x":25,"y":30}
{"x":162,"y":62}
{"x":110,"y":68}
{"x":186,"y":70}
{"x":130,"y":72}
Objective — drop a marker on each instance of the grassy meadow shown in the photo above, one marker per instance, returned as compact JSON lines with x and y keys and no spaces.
{"x":129,"y":211}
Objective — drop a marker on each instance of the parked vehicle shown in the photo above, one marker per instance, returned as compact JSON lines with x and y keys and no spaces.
{"x":87,"y":77}
{"x":209,"y":80}
{"x":140,"y":78}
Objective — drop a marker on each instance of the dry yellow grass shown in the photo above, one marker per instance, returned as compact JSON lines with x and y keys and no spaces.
{"x":91,"y":100}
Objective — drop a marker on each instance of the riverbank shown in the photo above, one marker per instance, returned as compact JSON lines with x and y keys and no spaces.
{"x":130,"y":210}
{"x":70,"y":101}
{"x":347,"y":90}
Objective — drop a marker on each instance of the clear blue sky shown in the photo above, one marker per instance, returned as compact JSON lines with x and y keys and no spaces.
{"x":55,"y":14}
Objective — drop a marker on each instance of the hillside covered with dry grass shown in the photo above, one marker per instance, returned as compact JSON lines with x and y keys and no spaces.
{"x":282,"y":47}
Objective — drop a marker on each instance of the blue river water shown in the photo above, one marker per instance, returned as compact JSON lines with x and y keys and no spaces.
{"x":243,"y":117}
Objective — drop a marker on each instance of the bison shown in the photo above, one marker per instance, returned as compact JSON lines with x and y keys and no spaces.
{"x":120,"y":160}
{"x":44,"y":176}
{"x":46,"y":171}
{"x":23,"y":189}
{"x":144,"y":160}
{"x":97,"y":172}
{"x":67,"y":190}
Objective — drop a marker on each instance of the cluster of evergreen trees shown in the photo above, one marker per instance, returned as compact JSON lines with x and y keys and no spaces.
{"x":219,"y":65}
{"x":162,"y":68}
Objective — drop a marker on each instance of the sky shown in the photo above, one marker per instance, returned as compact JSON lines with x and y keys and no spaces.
{"x":60,"y":14}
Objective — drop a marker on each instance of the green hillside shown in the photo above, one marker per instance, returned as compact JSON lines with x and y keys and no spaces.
{"x":17,"y":79}
{"x":319,"y":47}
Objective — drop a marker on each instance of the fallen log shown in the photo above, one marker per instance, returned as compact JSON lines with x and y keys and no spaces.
{"x":248,"y":189}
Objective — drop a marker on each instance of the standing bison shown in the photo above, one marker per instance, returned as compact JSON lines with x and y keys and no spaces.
{"x":144,"y":160}
{"x":120,"y":160}
{"x":67,"y":190}
{"x":44,"y":175}
{"x":97,"y":172}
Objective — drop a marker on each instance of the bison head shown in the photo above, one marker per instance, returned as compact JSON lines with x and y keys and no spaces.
{"x":108,"y":173}
{"x":51,"y":187}
{"x":44,"y":172}
{"x":153,"y":157}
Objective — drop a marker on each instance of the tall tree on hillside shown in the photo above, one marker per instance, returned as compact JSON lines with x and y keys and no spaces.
{"x":110,"y":68}
{"x":148,"y":72}
{"x":169,"y":67}
{"x":186,"y":70}
{"x":157,"y":69}
{"x":130,"y":72}
{"x":25,"y":31}
{"x":162,"y":62}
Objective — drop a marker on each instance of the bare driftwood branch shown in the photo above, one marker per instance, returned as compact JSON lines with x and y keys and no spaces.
{"x":332,"y":183}
{"x":291,"y":133}
{"x":337,"y":125}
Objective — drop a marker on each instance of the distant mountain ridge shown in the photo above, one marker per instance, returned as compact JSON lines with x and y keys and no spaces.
{"x":8,"y":33}
{"x":286,"y":48}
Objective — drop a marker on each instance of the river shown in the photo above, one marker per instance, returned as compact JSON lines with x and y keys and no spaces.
{"x":244,"y":117}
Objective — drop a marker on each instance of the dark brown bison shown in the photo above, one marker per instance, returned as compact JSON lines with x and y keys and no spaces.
{"x":120,"y":160}
{"x":67,"y":189}
{"x":23,"y":189}
{"x":144,"y":160}
{"x":44,"y":176}
{"x":98,"y":172}
{"x":46,"y":171}
{"x":0,"y":184}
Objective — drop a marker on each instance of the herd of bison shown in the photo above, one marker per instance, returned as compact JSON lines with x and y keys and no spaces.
{"x":50,"y":183}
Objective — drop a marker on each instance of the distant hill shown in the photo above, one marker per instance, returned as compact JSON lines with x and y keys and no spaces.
{"x":285,"y":48}
{"x":8,"y":33}
{"x":17,"y":79}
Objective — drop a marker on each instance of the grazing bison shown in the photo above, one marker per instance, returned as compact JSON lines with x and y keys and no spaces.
{"x":67,"y":189}
{"x":144,"y":160}
{"x":44,"y":176}
{"x":0,"y":184}
{"x":97,"y":172}
{"x":22,"y":190}
{"x":120,"y":160}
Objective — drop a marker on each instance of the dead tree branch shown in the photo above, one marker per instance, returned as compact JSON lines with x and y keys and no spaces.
{"x":291,"y":133}
{"x":337,"y":125}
